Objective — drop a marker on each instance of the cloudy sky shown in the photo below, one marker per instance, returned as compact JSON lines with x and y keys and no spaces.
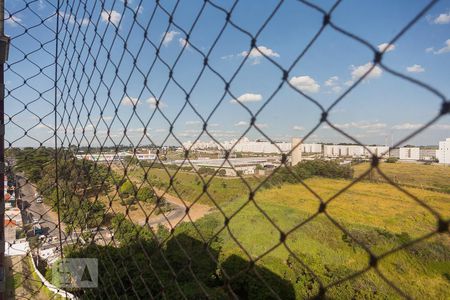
{"x":111,"y":77}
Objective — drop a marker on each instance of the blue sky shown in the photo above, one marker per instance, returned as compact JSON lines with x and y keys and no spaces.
{"x":383,"y":108}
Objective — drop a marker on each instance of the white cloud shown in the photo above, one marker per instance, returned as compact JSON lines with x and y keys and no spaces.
{"x":138,"y":130}
{"x":415,"y":69}
{"x":247,"y":97}
{"x":160,"y":130}
{"x":299,"y":128}
{"x":257,"y":53}
{"x":442,"y":126}
{"x":359,"y":71}
{"x":349,"y":82}
{"x":229,"y":56}
{"x":411,"y":126}
{"x":361,"y":125}
{"x":445,"y":49}
{"x":183,"y":42}
{"x":407,"y":126}
{"x":111,"y":16}
{"x":13,"y":20}
{"x":387,"y":46}
{"x":305,"y":84}
{"x":152,"y":102}
{"x":429,"y":50}
{"x":336,"y":89}
{"x":214,"y":125}
{"x":139,"y":9}
{"x":73,"y":19}
{"x":41,"y":126}
{"x":241,"y":123}
{"x":169,"y":36}
{"x":107,"y":118}
{"x":193,"y":122}
{"x":332,"y":81}
{"x":262,"y":125}
{"x":442,"y":19}
{"x":130,"y":101}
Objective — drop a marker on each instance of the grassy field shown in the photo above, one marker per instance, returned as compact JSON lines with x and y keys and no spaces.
{"x":377,"y":215}
{"x":434,"y":177}
{"x":189,"y":187}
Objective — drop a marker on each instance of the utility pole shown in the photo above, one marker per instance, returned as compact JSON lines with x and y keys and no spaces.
{"x":4,"y":44}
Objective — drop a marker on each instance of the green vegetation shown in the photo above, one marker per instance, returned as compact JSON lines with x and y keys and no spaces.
{"x":205,"y":258}
{"x":378,"y":216}
{"x":189,"y":186}
{"x":78,"y":181}
{"x":430,"y":177}
{"x":308,"y":169}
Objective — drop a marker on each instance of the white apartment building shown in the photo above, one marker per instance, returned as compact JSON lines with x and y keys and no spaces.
{"x":409,"y":153}
{"x":312,"y":148}
{"x":379,"y":151}
{"x":443,"y":154}
{"x":343,"y":151}
{"x":245,"y":145}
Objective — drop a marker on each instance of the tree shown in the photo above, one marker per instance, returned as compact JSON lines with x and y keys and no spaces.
{"x":127,"y":189}
{"x":146,"y":194}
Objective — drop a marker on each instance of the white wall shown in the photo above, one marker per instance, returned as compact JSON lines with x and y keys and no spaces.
{"x":382,"y":151}
{"x":312,"y":148}
{"x":410,"y":153}
{"x":343,"y":151}
{"x":443,"y":154}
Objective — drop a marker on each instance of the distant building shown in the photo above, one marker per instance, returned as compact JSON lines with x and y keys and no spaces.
{"x":343,"y":151}
{"x":13,"y":214}
{"x":379,"y":151}
{"x":245,"y":145}
{"x":312,"y":148}
{"x":428,"y":154}
{"x":145,"y":156}
{"x":443,"y":154}
{"x":409,"y":153}
{"x":394,"y":152}
{"x":296,"y":155}
{"x":10,"y":231}
{"x":245,"y":166}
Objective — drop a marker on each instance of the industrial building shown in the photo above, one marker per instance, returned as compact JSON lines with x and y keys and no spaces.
{"x":109,"y":157}
{"x":246,"y":166}
{"x":443,"y":154}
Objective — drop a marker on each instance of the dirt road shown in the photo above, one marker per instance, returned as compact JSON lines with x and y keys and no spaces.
{"x":178,"y":214}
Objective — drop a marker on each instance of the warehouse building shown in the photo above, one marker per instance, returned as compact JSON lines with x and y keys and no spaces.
{"x":245,"y":166}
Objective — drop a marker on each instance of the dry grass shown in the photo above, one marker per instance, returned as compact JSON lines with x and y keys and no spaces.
{"x":434,"y":177}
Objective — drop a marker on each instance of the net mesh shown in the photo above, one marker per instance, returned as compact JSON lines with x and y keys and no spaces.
{"x":95,"y":172}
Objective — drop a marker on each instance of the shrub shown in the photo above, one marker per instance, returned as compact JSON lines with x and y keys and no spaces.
{"x":392,"y":160}
{"x":146,"y":194}
{"x":127,"y":188}
{"x":206,"y":171}
{"x":308,"y":169}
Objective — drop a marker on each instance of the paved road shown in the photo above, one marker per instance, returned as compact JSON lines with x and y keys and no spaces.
{"x":48,"y":218}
